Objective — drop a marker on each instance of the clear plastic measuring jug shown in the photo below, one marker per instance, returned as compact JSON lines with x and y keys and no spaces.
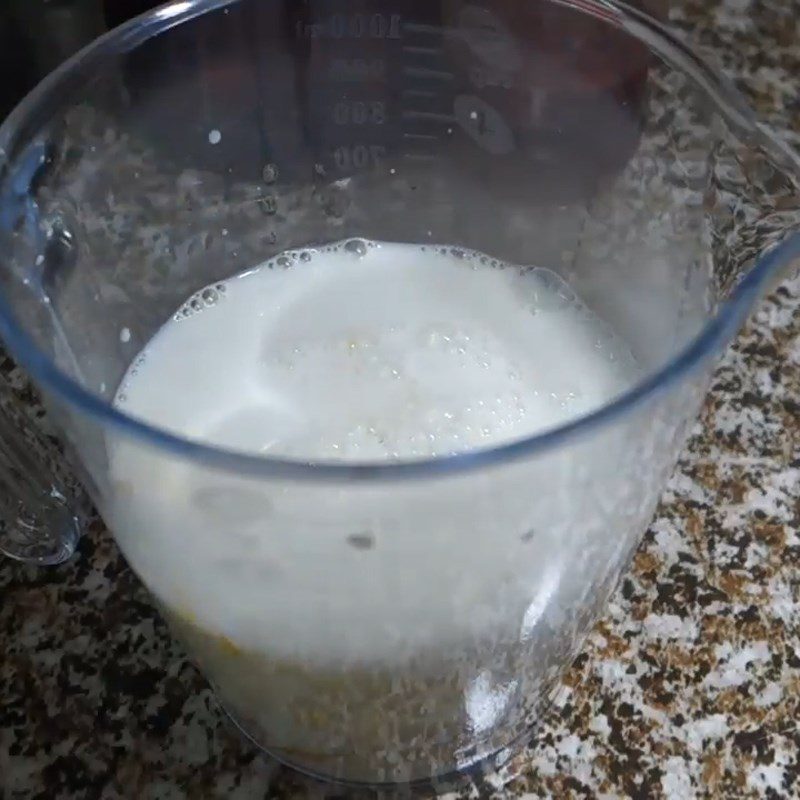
{"x":386,"y":621}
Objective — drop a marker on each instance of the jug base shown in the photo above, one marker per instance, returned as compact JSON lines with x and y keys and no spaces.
{"x":449,"y":780}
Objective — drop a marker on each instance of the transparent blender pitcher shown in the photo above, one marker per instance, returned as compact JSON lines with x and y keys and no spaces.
{"x":207,"y":136}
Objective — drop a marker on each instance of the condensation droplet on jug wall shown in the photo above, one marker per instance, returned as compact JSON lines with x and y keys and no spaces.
{"x":214,"y":137}
{"x":125,"y":335}
{"x":269,"y":173}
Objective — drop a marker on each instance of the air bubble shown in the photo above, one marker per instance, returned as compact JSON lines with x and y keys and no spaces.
{"x":556,"y":294}
{"x":283,"y":261}
{"x":456,"y":253}
{"x":209,"y":296}
{"x":356,"y":247}
{"x":305,"y":256}
{"x":196,"y":304}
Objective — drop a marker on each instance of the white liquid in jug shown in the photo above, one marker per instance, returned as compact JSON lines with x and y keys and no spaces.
{"x":357,"y":352}
{"x":399,"y":352}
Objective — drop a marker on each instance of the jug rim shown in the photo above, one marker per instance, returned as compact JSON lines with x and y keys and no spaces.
{"x":716,"y":334}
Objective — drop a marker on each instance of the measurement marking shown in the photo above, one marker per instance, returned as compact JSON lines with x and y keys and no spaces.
{"x":433,"y":115}
{"x":419,"y":93}
{"x":419,"y":156}
{"x":423,"y":51}
{"x":416,"y":27}
{"x":422,"y":72}
{"x":428,"y":137}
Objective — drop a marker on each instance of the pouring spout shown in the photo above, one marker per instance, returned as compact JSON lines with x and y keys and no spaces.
{"x":753,"y":200}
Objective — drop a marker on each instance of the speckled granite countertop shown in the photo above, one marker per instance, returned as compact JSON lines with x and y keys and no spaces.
{"x":689,"y":687}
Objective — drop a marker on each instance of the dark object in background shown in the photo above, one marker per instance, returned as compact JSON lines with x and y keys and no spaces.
{"x":603,"y":78}
{"x":16,"y":62}
{"x":363,"y":90}
{"x":119,"y":11}
{"x":37,"y":35}
{"x":55,"y":29}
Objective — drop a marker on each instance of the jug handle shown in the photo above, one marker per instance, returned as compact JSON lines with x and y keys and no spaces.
{"x":38,"y":523}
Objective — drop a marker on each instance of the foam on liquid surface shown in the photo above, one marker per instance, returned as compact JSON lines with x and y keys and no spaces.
{"x":360,"y":351}
{"x":373,"y":352}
